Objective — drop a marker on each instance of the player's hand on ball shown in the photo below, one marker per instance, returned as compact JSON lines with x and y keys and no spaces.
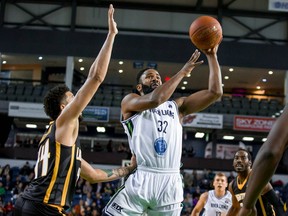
{"x":211,"y":51}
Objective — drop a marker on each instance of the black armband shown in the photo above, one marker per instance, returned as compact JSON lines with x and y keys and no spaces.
{"x":274,"y":200}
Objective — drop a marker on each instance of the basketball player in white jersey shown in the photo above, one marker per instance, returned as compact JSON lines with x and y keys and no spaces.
{"x":215,"y":202}
{"x":154,"y":130}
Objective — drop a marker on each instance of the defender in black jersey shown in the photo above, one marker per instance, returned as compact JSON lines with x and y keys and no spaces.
{"x":60,"y":162}
{"x":267,"y":204}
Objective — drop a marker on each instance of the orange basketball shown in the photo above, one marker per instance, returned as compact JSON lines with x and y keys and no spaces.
{"x":205,"y":32}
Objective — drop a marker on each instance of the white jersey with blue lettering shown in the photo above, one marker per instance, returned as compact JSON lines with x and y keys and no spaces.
{"x":155,"y":137}
{"x":155,"y":188}
{"x":217,"y":206}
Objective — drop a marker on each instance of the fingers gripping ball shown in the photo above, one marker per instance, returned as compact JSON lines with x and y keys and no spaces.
{"x":205,"y":32}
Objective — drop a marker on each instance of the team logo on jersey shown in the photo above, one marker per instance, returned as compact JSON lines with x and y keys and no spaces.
{"x":117,"y":207}
{"x":160,"y":146}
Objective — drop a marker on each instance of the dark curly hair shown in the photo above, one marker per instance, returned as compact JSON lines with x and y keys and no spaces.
{"x":140,"y":74}
{"x":52,"y":100}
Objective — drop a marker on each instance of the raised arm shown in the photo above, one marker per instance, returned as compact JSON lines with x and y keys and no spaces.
{"x":202,"y":99}
{"x":266,"y":162}
{"x":97,"y":73}
{"x":99,"y":175}
{"x":134,"y":102}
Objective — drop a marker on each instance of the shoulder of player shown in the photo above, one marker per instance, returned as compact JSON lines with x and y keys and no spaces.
{"x":130,"y":96}
{"x":204,"y":196}
{"x":230,"y":187}
{"x":179,"y":101}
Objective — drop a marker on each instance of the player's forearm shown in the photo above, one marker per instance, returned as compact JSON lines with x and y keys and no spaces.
{"x":164,"y":92}
{"x":215,"y":77}
{"x":104,"y":175}
{"x":99,"y":68}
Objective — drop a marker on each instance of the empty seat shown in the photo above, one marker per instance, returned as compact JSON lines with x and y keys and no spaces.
{"x":11,"y":89}
{"x":263,"y":112}
{"x":37,"y":91}
{"x":252,"y":112}
{"x":3,"y":88}
{"x":28,"y":90}
{"x":242,"y":111}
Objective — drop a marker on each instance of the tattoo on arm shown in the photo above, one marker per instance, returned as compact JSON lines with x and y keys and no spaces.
{"x":119,"y":172}
{"x":109,"y":172}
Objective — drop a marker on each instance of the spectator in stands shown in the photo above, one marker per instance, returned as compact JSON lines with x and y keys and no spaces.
{"x":17,"y":190}
{"x":122,"y":148}
{"x":195,"y":178}
{"x":26,"y":169}
{"x":108,"y":189}
{"x":60,"y":159}
{"x":2,"y":209}
{"x":99,"y":201}
{"x":87,"y":188}
{"x":97,"y":147}
{"x":8,"y":184}
{"x":88,"y":200}
{"x":187,"y":204}
{"x":5,"y":171}
{"x":95,"y":212}
{"x":99,"y":187}
{"x":2,"y":190}
{"x":109,"y":146}
{"x":9,"y":208}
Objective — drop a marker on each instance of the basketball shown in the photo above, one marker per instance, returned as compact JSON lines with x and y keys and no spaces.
{"x":205,"y":32}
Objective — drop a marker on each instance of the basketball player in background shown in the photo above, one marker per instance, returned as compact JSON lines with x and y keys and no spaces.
{"x":266,"y":162}
{"x":59,"y":161}
{"x":215,"y":202}
{"x":153,"y":126}
{"x":268,"y":203}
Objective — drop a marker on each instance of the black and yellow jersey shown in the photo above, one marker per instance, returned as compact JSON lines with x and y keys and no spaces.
{"x":56,"y":171}
{"x":264,"y":208}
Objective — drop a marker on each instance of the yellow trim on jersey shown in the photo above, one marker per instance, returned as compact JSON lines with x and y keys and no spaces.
{"x":55,"y":172}
{"x":48,"y":132}
{"x":262,"y":206}
{"x":240,"y":186}
{"x":60,"y":209}
{"x":66,"y":184}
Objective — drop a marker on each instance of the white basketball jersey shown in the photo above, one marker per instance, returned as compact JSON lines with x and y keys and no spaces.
{"x":217,"y":206}
{"x":155,"y":136}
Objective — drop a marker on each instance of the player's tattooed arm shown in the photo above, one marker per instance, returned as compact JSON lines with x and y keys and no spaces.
{"x":102,"y":175}
{"x":122,"y":171}
{"x":119,"y":172}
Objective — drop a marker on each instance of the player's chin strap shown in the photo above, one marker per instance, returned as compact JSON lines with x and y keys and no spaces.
{"x":274,"y":200}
